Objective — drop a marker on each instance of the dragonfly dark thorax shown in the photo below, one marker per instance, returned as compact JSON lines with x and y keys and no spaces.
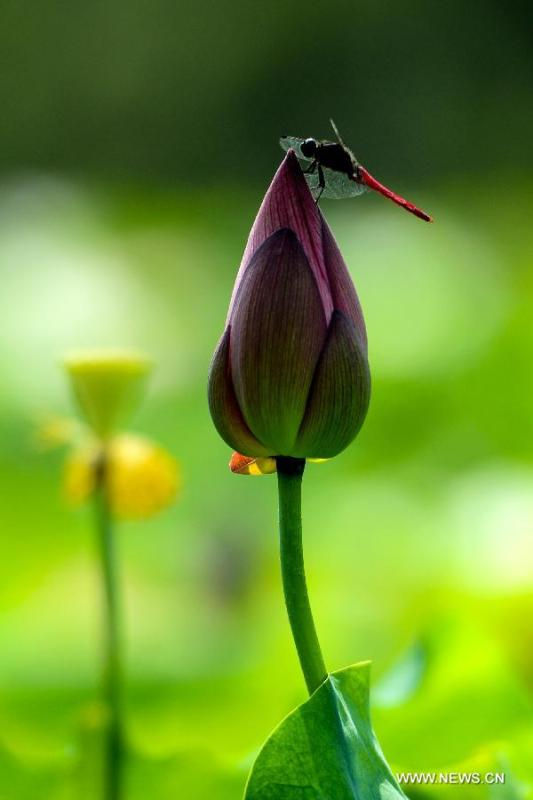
{"x":336,"y":157}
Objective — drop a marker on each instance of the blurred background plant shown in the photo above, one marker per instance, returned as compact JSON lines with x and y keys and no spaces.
{"x":135,"y":147}
{"x":124,"y":476}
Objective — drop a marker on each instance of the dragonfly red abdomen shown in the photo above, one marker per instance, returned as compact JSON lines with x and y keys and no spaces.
{"x":364,"y":177}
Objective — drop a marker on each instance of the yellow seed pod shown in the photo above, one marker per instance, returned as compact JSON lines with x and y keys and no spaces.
{"x":142,"y":477}
{"x":107,"y":385}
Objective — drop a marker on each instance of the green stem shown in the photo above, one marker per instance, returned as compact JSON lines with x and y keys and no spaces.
{"x":290,"y":472}
{"x":112,"y":674}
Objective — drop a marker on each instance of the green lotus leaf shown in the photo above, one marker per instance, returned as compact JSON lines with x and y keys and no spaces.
{"x":326,"y":748}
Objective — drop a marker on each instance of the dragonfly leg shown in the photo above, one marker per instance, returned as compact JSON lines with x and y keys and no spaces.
{"x":311,"y":168}
{"x":321,"y":182}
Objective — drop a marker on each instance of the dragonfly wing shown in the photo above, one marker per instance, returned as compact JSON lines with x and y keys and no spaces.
{"x":339,"y":186}
{"x":312,"y":182}
{"x":294,"y":143}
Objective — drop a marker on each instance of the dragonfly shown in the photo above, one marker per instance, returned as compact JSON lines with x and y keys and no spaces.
{"x":333,"y":171}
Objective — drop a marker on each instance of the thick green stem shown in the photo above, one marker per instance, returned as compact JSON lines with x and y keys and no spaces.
{"x":290,"y":472}
{"x":112,"y":674}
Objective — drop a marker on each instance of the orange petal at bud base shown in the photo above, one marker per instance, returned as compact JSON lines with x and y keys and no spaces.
{"x":247,"y":465}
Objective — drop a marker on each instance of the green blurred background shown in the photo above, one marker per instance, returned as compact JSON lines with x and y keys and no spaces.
{"x":136,"y":142}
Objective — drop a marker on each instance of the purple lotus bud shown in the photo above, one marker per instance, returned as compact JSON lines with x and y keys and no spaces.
{"x":290,"y":375}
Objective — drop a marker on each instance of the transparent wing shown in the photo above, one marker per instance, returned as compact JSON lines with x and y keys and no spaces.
{"x":338,"y":185}
{"x":294,"y":143}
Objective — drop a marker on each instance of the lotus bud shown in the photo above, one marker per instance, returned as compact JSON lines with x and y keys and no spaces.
{"x":290,"y":375}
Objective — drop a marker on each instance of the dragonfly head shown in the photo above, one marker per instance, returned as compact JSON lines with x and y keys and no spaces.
{"x":308,"y":148}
